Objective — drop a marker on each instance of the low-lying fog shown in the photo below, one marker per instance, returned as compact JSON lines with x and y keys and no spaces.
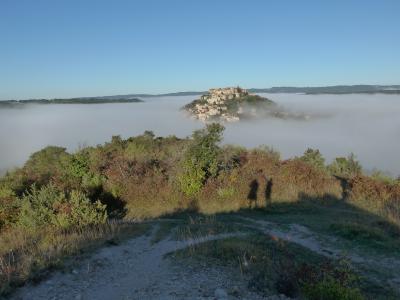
{"x":368,"y":125}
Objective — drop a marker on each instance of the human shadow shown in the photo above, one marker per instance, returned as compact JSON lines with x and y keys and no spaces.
{"x":344,"y":184}
{"x":252,"y":195}
{"x":268,"y":192}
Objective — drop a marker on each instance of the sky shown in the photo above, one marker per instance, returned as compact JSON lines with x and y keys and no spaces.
{"x":72,"y":48}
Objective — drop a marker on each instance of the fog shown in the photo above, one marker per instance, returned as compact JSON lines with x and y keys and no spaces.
{"x":367,"y":125}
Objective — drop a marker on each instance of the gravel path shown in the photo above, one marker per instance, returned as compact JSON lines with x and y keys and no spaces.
{"x":137,"y":269}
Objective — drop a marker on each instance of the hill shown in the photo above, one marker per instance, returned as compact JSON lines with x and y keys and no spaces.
{"x":17,"y":103}
{"x":233,"y":104}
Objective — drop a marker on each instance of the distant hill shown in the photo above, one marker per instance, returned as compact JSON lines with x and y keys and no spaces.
{"x":95,"y":100}
{"x":335,"y":89}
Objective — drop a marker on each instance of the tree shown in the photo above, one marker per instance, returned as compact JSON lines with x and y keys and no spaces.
{"x":345,"y":167}
{"x":201,"y":159}
{"x":314,"y":158}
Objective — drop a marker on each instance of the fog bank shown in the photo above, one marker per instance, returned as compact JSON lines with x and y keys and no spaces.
{"x":368,"y":125}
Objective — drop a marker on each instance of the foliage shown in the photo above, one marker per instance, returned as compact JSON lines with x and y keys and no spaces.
{"x":314,"y":158}
{"x":330,"y":289}
{"x":77,"y":172}
{"x":384,"y":177}
{"x":329,"y":281}
{"x":345,"y":167}
{"x":267,"y":151}
{"x":201,"y":159}
{"x":48,"y":206}
{"x":44,"y":164}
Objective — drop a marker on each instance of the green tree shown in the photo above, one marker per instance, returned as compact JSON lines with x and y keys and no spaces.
{"x":78,"y":173}
{"x":201,"y":159}
{"x":345,"y":167}
{"x":45,"y":164}
{"x":314,"y":158}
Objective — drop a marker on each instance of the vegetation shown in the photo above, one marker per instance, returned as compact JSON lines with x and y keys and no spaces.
{"x":281,"y":268}
{"x":201,"y":159}
{"x":74,"y":198}
{"x":89,"y":100}
{"x":336,"y":89}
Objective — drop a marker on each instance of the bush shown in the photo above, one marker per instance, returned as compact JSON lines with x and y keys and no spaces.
{"x":268,"y":152}
{"x":345,"y":167}
{"x":201,"y":159}
{"x":8,"y":206}
{"x":77,"y":173}
{"x":314,"y":158}
{"x":48,"y":206}
{"x":330,"y":289}
{"x":383,"y":177}
{"x":329,"y":281}
{"x":45,"y":164}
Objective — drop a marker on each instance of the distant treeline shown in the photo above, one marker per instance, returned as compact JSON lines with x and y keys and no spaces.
{"x":133,"y":98}
{"x":337,"y":89}
{"x":12,"y":103}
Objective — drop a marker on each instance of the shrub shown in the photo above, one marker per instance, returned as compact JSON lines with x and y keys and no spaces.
{"x":329,"y":281}
{"x":314,"y":158}
{"x":330,"y":289}
{"x":48,"y":206}
{"x":226,"y":192}
{"x":45,"y":164}
{"x":9,"y":206}
{"x":267,"y":151}
{"x":345,"y":167}
{"x":375,"y":196}
{"x":201,"y":159}
{"x":77,"y":173}
{"x":231,"y":156}
{"x":384,"y":177}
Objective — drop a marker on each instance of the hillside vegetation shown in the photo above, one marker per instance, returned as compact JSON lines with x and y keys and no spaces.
{"x":59,"y":203}
{"x":90,"y":100}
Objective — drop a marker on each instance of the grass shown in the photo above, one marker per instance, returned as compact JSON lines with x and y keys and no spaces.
{"x":164,"y":230}
{"x":30,"y":256}
{"x":351,"y":226}
{"x":197,"y":225}
{"x":366,"y":235}
{"x":270,"y":266}
{"x":353,"y":230}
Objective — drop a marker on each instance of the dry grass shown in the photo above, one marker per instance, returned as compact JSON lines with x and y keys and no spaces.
{"x":29,"y":255}
{"x":376,"y":196}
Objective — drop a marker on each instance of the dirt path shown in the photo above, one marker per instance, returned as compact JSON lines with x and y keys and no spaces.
{"x":137,"y":269}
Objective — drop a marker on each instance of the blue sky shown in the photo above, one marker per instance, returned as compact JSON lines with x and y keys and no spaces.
{"x":86,"y":48}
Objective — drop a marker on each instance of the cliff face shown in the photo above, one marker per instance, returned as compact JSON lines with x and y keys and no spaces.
{"x":227,"y":104}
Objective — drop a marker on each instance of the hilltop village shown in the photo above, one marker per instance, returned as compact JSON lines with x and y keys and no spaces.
{"x":225,"y":104}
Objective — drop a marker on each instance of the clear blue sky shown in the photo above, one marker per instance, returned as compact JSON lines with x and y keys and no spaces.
{"x":70,"y":48}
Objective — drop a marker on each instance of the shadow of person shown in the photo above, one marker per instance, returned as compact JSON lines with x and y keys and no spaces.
{"x":344,"y":185}
{"x":252,"y":196}
{"x":268,"y":192}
